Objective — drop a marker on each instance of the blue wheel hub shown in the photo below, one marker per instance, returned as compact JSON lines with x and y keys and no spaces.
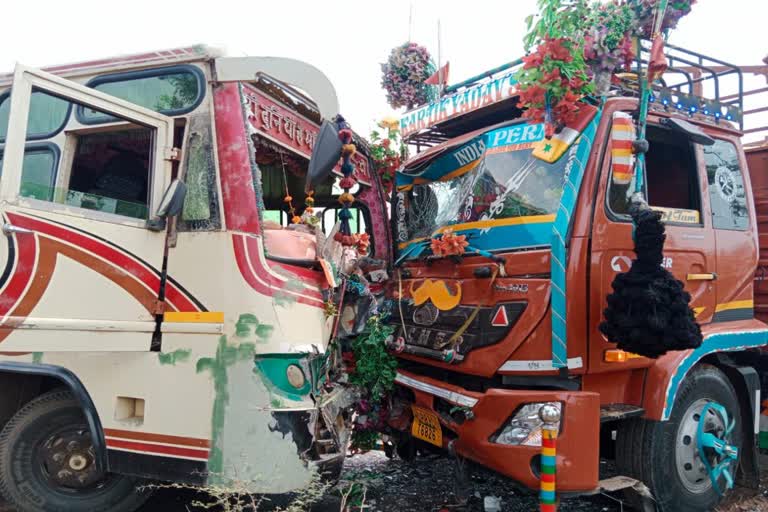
{"x":705,"y":454}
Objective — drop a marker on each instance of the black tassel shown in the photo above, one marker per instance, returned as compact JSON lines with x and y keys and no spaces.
{"x":648,"y":312}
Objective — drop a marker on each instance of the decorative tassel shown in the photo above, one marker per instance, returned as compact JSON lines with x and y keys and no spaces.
{"x":344,"y":235}
{"x":648,"y":312}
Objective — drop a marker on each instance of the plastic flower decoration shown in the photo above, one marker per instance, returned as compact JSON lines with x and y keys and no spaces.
{"x":403,"y":76}
{"x":576,"y":47}
{"x":362,"y":243}
{"x":390,"y":123}
{"x":449,"y":244}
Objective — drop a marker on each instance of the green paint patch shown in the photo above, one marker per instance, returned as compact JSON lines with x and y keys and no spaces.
{"x":764,"y":440}
{"x":249,"y":327}
{"x":177,"y":356}
{"x":294,"y":285}
{"x":226,"y":356}
{"x":37,"y":357}
{"x":283,"y":299}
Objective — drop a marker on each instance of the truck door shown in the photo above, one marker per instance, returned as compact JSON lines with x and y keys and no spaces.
{"x":79,"y":265}
{"x":734,"y":224}
{"x":674,"y":184}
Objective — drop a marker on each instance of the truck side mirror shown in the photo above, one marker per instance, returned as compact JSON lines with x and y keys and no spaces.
{"x":170,"y":205}
{"x":325,"y":155}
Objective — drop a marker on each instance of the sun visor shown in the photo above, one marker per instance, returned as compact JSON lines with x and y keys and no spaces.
{"x":550,"y":150}
{"x":444,"y":163}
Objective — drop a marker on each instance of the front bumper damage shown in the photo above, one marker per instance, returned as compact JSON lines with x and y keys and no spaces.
{"x":485,"y":413}
{"x":321,"y":433}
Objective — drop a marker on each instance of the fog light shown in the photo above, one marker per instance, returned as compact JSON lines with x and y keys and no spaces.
{"x":295,"y":376}
{"x":524,"y":428}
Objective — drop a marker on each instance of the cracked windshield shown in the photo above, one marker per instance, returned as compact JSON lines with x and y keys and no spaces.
{"x":504,"y":181}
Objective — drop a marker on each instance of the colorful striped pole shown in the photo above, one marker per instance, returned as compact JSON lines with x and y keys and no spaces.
{"x":550,"y":416}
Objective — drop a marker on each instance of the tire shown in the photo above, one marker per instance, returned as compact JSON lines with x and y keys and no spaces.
{"x":659,"y":453}
{"x":33,"y":478}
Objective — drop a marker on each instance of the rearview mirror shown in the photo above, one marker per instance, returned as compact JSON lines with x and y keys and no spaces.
{"x":325,"y":155}
{"x":170,"y":205}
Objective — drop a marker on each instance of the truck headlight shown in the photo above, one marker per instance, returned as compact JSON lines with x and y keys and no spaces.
{"x":524,"y":428}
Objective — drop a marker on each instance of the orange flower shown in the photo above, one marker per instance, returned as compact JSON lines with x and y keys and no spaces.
{"x":362,"y":241}
{"x":449,"y":244}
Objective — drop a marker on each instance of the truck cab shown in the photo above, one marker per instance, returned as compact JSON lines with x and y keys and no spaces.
{"x":163,"y":316}
{"x":488,"y":338}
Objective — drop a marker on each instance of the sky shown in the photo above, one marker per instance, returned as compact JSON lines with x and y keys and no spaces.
{"x":347,"y":40}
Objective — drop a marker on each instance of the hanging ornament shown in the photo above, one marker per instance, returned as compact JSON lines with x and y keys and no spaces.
{"x":344,"y":235}
{"x":404,"y":76}
{"x":288,"y":199}
{"x":309,"y":202}
{"x":649,"y":311}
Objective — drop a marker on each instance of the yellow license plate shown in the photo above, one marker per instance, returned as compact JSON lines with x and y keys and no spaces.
{"x":426,"y":426}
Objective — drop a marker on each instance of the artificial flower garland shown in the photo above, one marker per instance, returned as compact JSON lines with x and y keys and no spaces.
{"x":387,"y":152}
{"x":575,"y":47}
{"x":344,"y":235}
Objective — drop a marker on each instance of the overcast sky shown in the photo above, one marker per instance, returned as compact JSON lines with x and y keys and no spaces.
{"x":347,"y":40}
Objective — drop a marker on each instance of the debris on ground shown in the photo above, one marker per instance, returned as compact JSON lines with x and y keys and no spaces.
{"x":427,"y":484}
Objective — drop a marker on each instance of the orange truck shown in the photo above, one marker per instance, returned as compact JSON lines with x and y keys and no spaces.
{"x":487,"y":340}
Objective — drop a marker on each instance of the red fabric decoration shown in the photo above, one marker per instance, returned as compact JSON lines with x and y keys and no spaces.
{"x":658,"y":62}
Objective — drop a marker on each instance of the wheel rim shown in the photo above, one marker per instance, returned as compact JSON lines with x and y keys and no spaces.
{"x":691,"y":469}
{"x":66,"y":460}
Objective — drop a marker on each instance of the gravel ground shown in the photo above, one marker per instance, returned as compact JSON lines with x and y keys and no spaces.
{"x":428,"y":485}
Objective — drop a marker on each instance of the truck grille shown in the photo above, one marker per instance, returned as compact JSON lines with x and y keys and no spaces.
{"x":428,"y":328}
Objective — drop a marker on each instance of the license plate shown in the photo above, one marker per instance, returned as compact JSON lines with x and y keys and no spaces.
{"x":426,"y":426}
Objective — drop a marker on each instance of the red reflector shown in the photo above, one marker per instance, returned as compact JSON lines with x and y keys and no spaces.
{"x":500,"y":318}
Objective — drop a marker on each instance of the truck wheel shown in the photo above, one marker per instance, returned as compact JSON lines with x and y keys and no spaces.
{"x":47,"y":462}
{"x":665,"y":455}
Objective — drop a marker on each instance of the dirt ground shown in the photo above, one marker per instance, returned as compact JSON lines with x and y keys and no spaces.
{"x":428,"y":485}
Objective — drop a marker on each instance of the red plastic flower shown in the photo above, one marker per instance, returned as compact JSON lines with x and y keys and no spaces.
{"x":533,"y":60}
{"x":555,"y":49}
{"x":552,"y":76}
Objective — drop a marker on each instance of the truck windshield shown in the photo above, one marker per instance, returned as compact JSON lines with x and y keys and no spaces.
{"x":503,"y":188}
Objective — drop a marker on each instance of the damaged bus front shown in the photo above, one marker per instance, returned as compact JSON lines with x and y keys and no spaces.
{"x":167,"y":191}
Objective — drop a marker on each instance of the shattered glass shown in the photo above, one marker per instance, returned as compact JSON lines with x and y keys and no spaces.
{"x":201,"y":206}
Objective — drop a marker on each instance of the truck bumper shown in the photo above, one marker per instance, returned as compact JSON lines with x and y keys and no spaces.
{"x":577,"y":442}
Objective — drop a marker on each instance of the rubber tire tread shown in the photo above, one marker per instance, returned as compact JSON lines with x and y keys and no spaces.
{"x":629,"y":455}
{"x":123,"y":496}
{"x":641,"y":450}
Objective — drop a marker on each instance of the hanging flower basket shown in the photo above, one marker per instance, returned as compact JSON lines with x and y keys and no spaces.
{"x":403,"y":76}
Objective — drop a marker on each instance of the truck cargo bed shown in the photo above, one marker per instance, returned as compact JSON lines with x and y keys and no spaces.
{"x":757,"y":161}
